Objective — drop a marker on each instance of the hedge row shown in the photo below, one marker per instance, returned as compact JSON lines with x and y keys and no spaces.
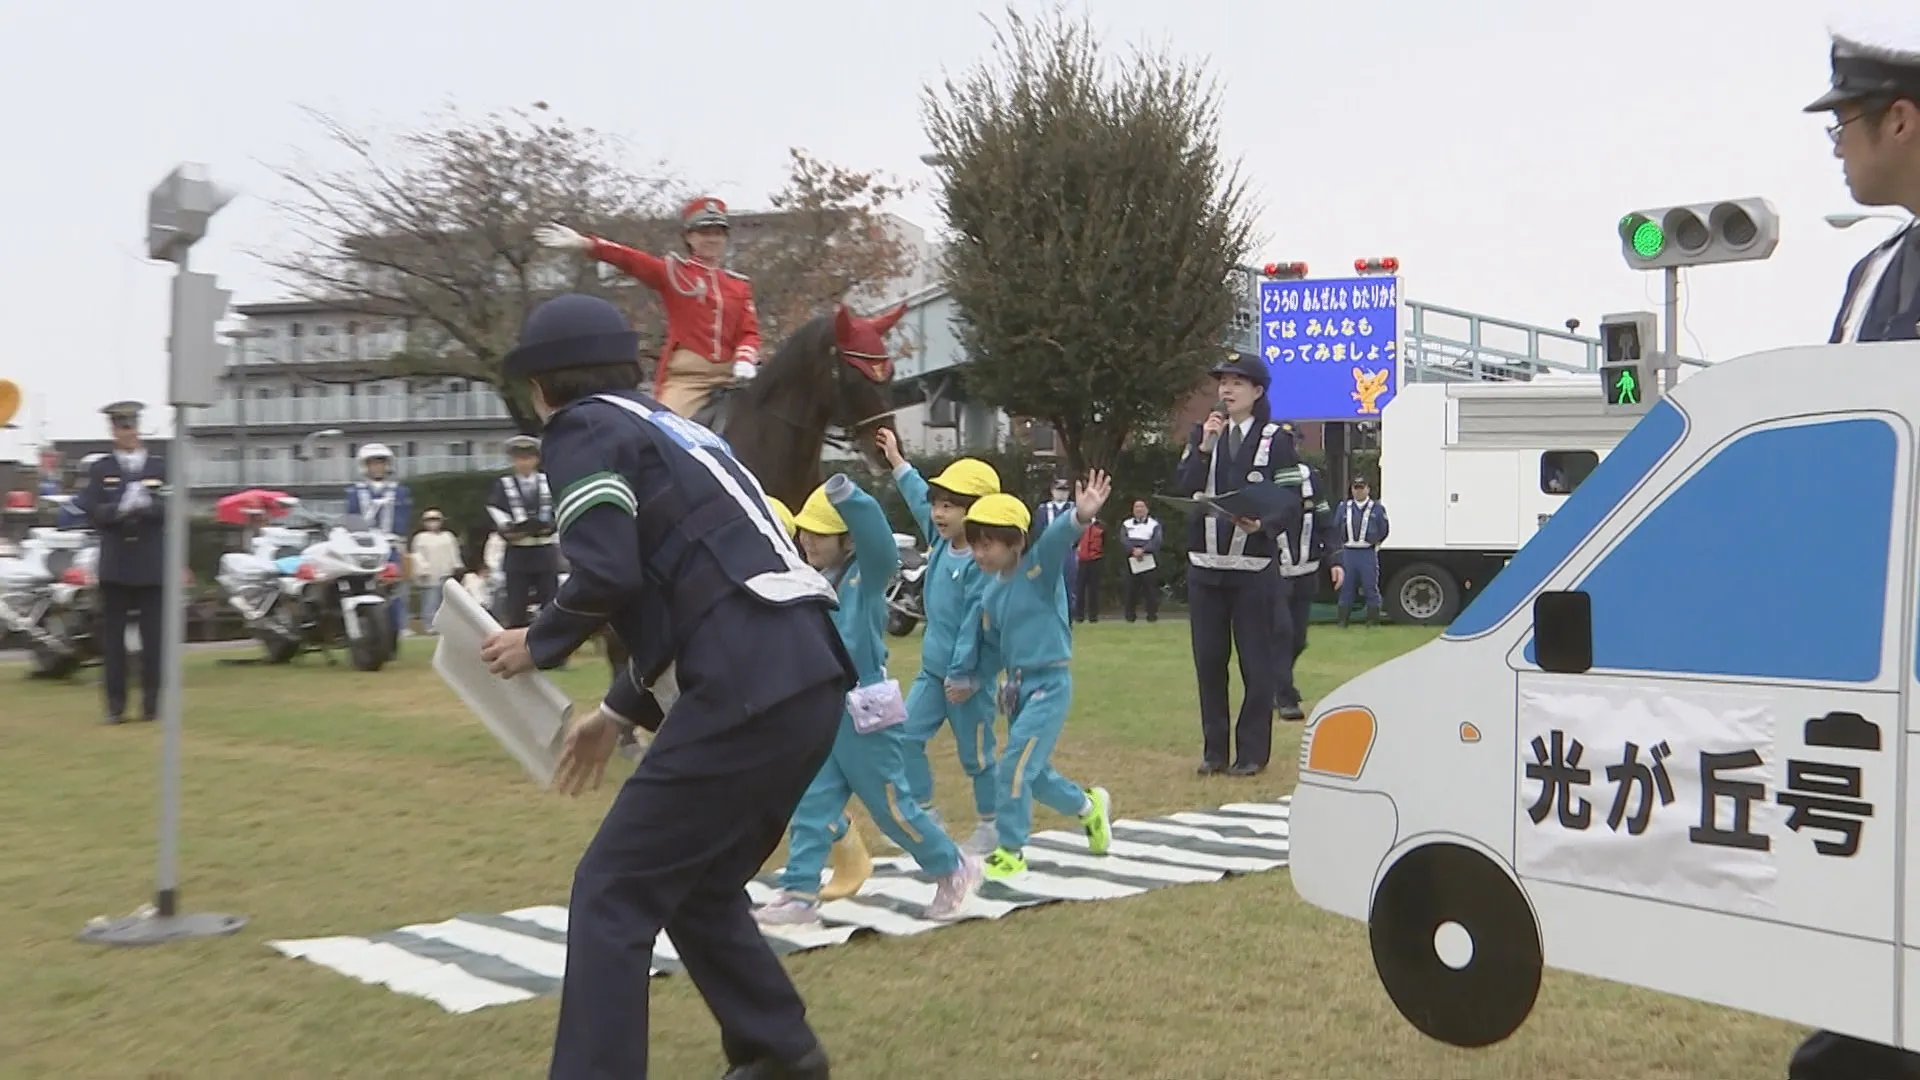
{"x":1144,"y":471}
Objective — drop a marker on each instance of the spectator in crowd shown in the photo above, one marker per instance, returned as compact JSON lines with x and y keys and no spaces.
{"x":1087,"y":552}
{"x":436,"y":557}
{"x":1060,"y":501}
{"x":1141,"y":534}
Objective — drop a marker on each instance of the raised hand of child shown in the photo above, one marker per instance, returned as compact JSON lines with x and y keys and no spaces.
{"x":889,"y":444}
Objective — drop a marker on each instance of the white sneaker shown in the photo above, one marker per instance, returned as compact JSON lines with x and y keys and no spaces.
{"x":986,"y":837}
{"x":788,"y":909}
{"x":950,"y":897}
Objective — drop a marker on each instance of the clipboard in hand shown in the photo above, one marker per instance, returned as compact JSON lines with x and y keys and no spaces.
{"x":527,"y":714}
{"x":1262,"y":502}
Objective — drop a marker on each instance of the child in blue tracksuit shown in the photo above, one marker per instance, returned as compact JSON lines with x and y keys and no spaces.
{"x":1023,"y":631}
{"x":950,"y":598}
{"x":845,"y":535}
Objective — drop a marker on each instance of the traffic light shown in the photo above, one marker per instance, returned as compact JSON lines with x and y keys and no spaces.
{"x":1289,"y":271}
{"x":1627,"y":360}
{"x":1731,"y":230}
{"x":1388,"y":265}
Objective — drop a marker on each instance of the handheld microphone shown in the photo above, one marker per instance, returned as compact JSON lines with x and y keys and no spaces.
{"x":1221,"y":408}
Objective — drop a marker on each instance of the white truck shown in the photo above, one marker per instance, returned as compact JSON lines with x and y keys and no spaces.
{"x":1470,"y":471}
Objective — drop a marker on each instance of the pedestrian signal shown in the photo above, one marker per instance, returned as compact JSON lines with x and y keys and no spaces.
{"x":1626,"y":386}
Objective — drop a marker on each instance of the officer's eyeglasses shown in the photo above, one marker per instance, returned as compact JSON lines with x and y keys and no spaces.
{"x":1867,"y":109}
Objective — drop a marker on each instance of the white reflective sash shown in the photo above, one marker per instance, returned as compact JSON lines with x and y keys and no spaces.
{"x":1235,"y":557}
{"x":1366,"y":520}
{"x":799,"y":580}
{"x":1303,"y":543}
{"x":519,"y":508}
{"x":376,"y":504}
{"x":1861,"y":301}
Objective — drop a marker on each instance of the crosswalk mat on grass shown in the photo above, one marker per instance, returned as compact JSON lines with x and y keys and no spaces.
{"x":474,"y":961}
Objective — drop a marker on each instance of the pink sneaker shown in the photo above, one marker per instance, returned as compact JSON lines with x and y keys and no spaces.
{"x":788,"y":909}
{"x":954,"y":889}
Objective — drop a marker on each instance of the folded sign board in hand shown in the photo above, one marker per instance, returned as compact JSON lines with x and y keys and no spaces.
{"x":527,"y":714}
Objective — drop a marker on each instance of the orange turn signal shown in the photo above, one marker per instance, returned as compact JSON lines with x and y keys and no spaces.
{"x":1469,"y":733}
{"x":1342,"y":739}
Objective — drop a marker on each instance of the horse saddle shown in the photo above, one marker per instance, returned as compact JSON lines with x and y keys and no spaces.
{"x":718,"y":410}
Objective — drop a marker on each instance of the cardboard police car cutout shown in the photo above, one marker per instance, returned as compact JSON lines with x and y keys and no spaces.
{"x":1652,"y":750}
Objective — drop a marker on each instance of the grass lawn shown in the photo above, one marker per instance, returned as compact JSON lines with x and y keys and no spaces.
{"x":322,"y":801}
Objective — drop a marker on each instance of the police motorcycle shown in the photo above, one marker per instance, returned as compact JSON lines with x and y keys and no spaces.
{"x":264,"y":585}
{"x":314,"y":597}
{"x":905,"y":609}
{"x":49,"y":595}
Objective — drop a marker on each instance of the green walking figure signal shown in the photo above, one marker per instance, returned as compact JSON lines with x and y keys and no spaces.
{"x":1627,"y":390}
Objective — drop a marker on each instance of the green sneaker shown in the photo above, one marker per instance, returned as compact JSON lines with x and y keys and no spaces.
{"x":1003,"y":864}
{"x":1098,"y":821}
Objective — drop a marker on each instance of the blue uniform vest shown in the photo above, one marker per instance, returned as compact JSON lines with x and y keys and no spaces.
{"x":708,"y":531}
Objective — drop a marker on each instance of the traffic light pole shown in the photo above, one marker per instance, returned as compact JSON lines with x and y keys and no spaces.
{"x":1670,"y":351}
{"x":178,"y":211}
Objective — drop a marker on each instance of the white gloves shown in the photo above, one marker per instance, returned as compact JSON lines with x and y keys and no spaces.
{"x":135,"y":498}
{"x":742,"y":370}
{"x":557,"y":235}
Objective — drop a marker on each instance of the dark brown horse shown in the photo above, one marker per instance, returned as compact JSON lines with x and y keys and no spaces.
{"x":827,"y":382}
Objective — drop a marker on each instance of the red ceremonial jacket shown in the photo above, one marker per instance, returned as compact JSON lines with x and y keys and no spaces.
{"x":709,"y":308}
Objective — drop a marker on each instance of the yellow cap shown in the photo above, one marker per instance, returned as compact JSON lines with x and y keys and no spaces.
{"x":818,"y":515}
{"x":786,"y":515}
{"x":1000,"y":509}
{"x":968,"y":476}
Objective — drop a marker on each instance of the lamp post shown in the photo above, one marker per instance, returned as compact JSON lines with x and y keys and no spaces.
{"x":303,"y":452}
{"x":238,"y":374}
{"x":1848,"y":221}
{"x":178,"y":211}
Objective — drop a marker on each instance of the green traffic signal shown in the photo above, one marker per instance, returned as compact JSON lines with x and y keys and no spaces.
{"x":1648,"y":239}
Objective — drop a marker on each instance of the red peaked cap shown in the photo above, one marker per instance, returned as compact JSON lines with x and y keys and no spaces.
{"x":863,"y":341}
{"x":704,"y":211}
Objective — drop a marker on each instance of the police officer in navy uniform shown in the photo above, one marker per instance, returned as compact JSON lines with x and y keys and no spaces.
{"x":1875,"y":99}
{"x":124,"y":499}
{"x":1303,"y":550}
{"x":672,"y":544}
{"x":522,"y":511}
{"x":1233,"y":587}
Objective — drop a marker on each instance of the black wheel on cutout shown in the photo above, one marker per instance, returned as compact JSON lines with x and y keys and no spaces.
{"x":1423,"y":594}
{"x":1449,"y":887}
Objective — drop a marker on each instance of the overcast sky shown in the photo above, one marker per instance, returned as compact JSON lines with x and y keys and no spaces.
{"x":1490,"y":144}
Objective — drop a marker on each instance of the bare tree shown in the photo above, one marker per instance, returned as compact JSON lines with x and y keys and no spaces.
{"x":828,"y":239}
{"x":1097,"y":224}
{"x":436,"y":228}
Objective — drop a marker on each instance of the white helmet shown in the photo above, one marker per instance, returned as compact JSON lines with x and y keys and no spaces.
{"x":374,"y":450}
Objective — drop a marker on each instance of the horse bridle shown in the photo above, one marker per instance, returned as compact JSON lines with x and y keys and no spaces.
{"x":841,"y":364}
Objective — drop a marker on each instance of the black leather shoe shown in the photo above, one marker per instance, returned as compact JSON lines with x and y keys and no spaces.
{"x":811,"y":1067}
{"x":1246,"y":769}
{"x":1210,"y":768}
{"x":1291,"y":712}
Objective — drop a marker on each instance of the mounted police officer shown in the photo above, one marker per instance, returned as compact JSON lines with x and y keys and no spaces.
{"x":1233,"y":590}
{"x":124,"y":498}
{"x":522,"y":511}
{"x":1875,"y":101}
{"x":1302,"y":550}
{"x":386,"y":506}
{"x":672,"y":543}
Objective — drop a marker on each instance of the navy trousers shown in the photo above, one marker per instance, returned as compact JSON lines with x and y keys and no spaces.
{"x":1292,"y":610}
{"x":116,"y":603}
{"x":699,"y":817}
{"x":1232,"y":612}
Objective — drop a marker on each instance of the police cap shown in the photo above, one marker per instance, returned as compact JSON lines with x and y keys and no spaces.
{"x":572,"y":331}
{"x":1863,"y":69}
{"x":523,"y":444}
{"x":124,"y":413}
{"x":1246,"y":365}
